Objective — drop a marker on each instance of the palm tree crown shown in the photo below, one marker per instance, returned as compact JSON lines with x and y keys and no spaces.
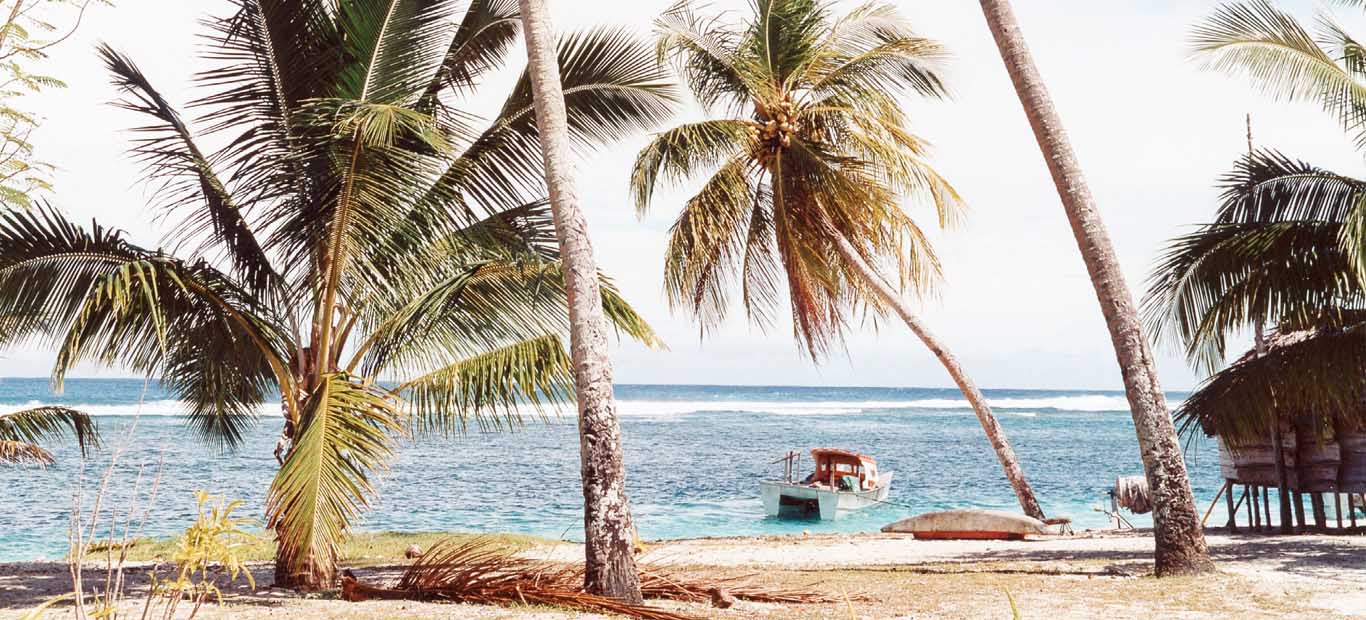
{"x":812,"y":145}
{"x":358,"y":224}
{"x":1285,"y":248}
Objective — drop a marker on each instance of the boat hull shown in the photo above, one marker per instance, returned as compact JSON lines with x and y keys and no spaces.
{"x":968,"y":524}
{"x":785,"y":499}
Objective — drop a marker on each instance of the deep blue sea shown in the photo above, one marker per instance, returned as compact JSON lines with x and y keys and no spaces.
{"x":695,"y":456}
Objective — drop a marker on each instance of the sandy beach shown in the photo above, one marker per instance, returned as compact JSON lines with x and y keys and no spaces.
{"x":1090,"y":575}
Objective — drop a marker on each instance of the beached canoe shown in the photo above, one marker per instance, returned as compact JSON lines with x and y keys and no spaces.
{"x":968,"y":524}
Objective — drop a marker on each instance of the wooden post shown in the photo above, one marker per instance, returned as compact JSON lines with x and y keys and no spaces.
{"x":1352,"y":509}
{"x":1266,"y":505}
{"x":1299,"y":510}
{"x":1337,"y":507}
{"x":1232,"y":524}
{"x":1247,"y":494}
{"x":1320,"y":513}
{"x":1256,"y":509}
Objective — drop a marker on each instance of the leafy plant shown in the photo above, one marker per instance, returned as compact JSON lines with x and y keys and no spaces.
{"x":29,"y":29}
{"x":207,"y":555}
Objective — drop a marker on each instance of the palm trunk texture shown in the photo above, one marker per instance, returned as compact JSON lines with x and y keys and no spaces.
{"x":1180,"y":540}
{"x":609,"y":532}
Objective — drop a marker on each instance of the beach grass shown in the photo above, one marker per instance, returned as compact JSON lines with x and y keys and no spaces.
{"x":360,"y":549}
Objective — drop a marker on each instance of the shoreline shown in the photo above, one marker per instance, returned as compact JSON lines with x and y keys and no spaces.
{"x":1087,"y":575}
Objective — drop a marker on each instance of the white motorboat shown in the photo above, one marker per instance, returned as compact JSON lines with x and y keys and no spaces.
{"x":842,"y":481}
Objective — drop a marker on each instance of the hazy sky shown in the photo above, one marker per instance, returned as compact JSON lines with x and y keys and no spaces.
{"x":1152,"y":131}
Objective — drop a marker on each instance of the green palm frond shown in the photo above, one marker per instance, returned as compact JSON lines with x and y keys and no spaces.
{"x":485,"y":35}
{"x":185,"y":178}
{"x":22,"y":431}
{"x":677,"y":154}
{"x":106,"y":300}
{"x":491,"y":389}
{"x":344,"y":438}
{"x":1282,"y":57}
{"x":482,"y":307}
{"x":706,"y":52}
{"x":396,"y":47}
{"x":612,"y":88}
{"x":1271,"y":256}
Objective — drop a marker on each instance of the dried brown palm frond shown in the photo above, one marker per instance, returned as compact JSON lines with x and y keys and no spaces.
{"x":474,"y":572}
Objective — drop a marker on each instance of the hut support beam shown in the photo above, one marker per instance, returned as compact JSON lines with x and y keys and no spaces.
{"x":1256,"y":509}
{"x":1299,"y":510}
{"x":1337,"y":507}
{"x":1232,"y":524}
{"x":1266,"y":505}
{"x":1282,"y":483}
{"x":1320,"y":513}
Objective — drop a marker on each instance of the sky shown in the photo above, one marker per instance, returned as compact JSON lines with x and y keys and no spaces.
{"x":1151,"y":129}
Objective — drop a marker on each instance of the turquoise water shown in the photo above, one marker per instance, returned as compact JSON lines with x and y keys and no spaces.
{"x":695,"y":456}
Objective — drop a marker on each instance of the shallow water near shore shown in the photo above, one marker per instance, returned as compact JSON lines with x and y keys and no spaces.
{"x":695,"y":456}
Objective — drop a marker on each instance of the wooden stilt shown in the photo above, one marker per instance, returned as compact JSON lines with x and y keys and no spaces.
{"x":1299,"y":509}
{"x":1232,"y":524}
{"x":1320,"y":512}
{"x":1247,"y":495}
{"x":1337,"y":507}
{"x":1256,"y":509}
{"x":1352,"y":510}
{"x":1266,"y":505}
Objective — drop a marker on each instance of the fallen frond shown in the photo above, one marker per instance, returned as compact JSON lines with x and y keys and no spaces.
{"x":474,"y":572}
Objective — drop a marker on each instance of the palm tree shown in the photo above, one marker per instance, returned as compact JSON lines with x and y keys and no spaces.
{"x":22,"y":431}
{"x":1176,"y":524}
{"x":810,"y":160}
{"x":1271,"y":256}
{"x":358,"y":224}
{"x":609,"y":532}
{"x":1284,"y":248}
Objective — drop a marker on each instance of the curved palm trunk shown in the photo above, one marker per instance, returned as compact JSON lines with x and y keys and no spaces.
{"x":609,"y":532}
{"x":1176,"y":523}
{"x":1014,"y":473}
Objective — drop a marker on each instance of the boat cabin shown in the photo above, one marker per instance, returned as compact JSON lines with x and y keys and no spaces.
{"x":843,"y":470}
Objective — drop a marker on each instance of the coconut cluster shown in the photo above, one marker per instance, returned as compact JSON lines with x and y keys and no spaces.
{"x":774,"y":127}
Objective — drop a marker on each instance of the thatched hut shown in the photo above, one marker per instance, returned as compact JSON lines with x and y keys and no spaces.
{"x":1322,"y":453}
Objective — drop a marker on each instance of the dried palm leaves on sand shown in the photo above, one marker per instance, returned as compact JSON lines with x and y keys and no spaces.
{"x":472,"y":572}
{"x":476,"y":572}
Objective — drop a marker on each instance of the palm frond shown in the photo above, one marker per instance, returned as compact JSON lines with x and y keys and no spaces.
{"x":1272,"y":256}
{"x":111,"y":302}
{"x":486,"y":33}
{"x":611,"y":89}
{"x":396,"y":47}
{"x":40,"y":425}
{"x":686,"y":150}
{"x":21,"y":453}
{"x":706,"y":52}
{"x":707,"y":244}
{"x":185,"y":178}
{"x":1282,"y":57}
{"x":344,"y":438}
{"x":491,"y":389}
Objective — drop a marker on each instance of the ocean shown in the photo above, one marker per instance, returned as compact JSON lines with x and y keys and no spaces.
{"x":694,"y":456}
